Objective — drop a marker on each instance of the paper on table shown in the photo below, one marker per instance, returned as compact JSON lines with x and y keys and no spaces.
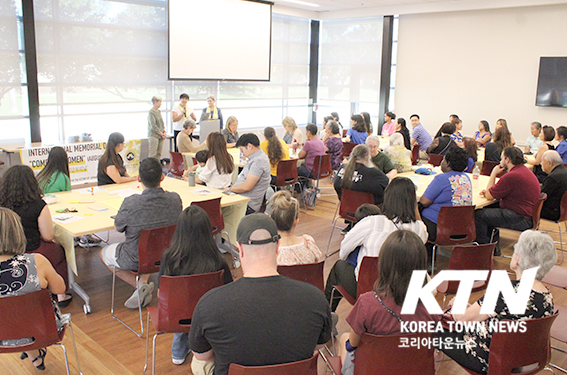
{"x":203,"y":191}
{"x":91,"y":190}
{"x":124,"y":193}
{"x":66,"y":218}
{"x":114,"y":203}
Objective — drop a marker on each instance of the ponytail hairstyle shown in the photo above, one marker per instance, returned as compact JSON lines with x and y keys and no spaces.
{"x":275,"y":149}
{"x":285,"y":210}
{"x":360,"y":153}
{"x":360,"y":126}
{"x":57,"y":162}
{"x":217,"y":148}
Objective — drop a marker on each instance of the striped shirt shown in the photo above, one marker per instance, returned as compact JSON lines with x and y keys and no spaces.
{"x":422,"y":137}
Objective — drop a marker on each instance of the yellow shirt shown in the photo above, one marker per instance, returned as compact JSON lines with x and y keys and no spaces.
{"x":285,"y":149}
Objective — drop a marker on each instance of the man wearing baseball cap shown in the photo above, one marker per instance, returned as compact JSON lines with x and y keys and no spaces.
{"x":262,"y":318}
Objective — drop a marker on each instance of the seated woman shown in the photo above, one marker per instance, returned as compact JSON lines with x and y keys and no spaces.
{"x":192,"y":251}
{"x":378,"y":312}
{"x":293,"y":249}
{"x":54,"y":177}
{"x":483,"y":135}
{"x":19,"y":191}
{"x":501,"y":140}
{"x":389,"y":126}
{"x":358,"y":131}
{"x":217,"y":172}
{"x":367,"y":121}
{"x":185,"y":138}
{"x":334,"y":143}
{"x":471,"y":148}
{"x":533,"y":249}
{"x":111,"y":168}
{"x":403,"y":130}
{"x":25,"y":273}
{"x":359,"y":174}
{"x":292,"y":132}
{"x":399,"y":211}
{"x":324,"y":134}
{"x":398,"y":153}
{"x":547,"y":135}
{"x":230,"y":133}
{"x":276,"y":150}
{"x":502,"y":123}
{"x":443,"y":143}
{"x":451,"y":188}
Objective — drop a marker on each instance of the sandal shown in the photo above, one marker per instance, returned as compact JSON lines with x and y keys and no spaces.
{"x":42,"y":354}
{"x":66,"y":301}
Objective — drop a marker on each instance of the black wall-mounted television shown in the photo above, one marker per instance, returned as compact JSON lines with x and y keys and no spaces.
{"x":552,"y":82}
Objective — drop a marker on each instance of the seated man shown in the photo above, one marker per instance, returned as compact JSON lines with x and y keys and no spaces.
{"x":517,"y":192}
{"x":561,"y":137}
{"x":312,"y":148}
{"x":554,"y":185}
{"x":420,"y":136}
{"x":262,"y":318}
{"x":152,"y":209}
{"x":254,"y":180}
{"x":380,"y":159}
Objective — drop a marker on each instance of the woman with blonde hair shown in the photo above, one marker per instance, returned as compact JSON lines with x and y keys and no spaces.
{"x":276,"y":149}
{"x":293,"y":249}
{"x":398,"y":153}
{"x":292,"y":132}
{"x":217,"y":172}
{"x":502,"y":123}
{"x":230,"y":133}
{"x":24,"y":273}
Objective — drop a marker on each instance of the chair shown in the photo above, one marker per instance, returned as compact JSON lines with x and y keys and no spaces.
{"x":415,"y":154}
{"x":311,"y":273}
{"x":381,"y":355}
{"x":455,"y":226}
{"x":367,"y":276}
{"x":347,"y":149}
{"x":287,"y":173}
{"x":321,"y":167}
{"x":178,"y":296}
{"x":177,"y":165}
{"x":35,"y":319}
{"x":487,"y":167}
{"x":562,"y":219}
{"x":471,"y":257}
{"x":195,"y":161}
{"x":304,"y":367}
{"x":559,"y":332}
{"x":435,"y":159}
{"x":350,"y":201}
{"x":344,"y":132}
{"x":512,"y":350}
{"x":151,"y":246}
{"x":213,"y":209}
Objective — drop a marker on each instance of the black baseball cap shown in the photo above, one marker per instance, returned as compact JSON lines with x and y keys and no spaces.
{"x":251,"y":223}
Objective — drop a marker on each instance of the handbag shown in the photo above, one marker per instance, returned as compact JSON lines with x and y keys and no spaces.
{"x":309,"y":196}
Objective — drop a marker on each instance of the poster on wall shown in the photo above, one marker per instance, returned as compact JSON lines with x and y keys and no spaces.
{"x":83,"y":159}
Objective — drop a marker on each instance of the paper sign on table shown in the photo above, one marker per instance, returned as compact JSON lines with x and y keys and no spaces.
{"x":66,"y":218}
{"x":124,"y":193}
{"x":203,"y":191}
{"x":91,"y":190}
{"x":98,"y":208}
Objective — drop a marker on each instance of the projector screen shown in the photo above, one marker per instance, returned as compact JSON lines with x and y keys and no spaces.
{"x":220,"y":40}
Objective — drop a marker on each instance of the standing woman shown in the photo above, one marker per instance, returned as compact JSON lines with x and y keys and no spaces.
{"x":547,"y":135}
{"x":358,"y":131}
{"x":276,"y":150}
{"x":212,"y":112}
{"x":230,"y":133}
{"x":192,"y":251}
{"x":366,"y":117}
{"x":403,"y":130}
{"x":156,"y":129}
{"x":54,"y":176}
{"x":483,"y":135}
{"x":20,"y":192}
{"x":217,"y":172}
{"x":111,"y":169}
{"x":291,"y":131}
{"x":389,"y":126}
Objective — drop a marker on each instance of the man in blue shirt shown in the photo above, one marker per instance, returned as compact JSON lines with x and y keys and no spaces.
{"x":420,"y":136}
{"x":562,"y":146}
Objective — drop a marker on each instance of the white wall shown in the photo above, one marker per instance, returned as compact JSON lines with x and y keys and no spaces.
{"x":480,"y":65}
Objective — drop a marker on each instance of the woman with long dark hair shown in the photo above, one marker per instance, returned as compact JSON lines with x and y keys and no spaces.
{"x":217,"y":172}
{"x":276,"y":149}
{"x":483,"y":135}
{"x":20,"y":192}
{"x":192,"y":251}
{"x":367,"y":122}
{"x":358,"y":131}
{"x":501,"y":140}
{"x":471,"y":148}
{"x":111,"y":169}
{"x":403,"y":130}
{"x":54,"y":176}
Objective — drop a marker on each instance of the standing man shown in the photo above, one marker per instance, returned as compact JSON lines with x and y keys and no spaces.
{"x":380,"y":159}
{"x":554,"y":185}
{"x":420,"y":136}
{"x":517,"y":192}
{"x":271,"y":319}
{"x":179,"y":114}
{"x":156,"y":129}
{"x":254,"y":180}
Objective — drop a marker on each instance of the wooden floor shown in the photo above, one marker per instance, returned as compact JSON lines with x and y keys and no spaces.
{"x":106,"y":347}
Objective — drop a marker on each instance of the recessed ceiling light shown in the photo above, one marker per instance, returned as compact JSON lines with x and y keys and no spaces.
{"x":298,"y":2}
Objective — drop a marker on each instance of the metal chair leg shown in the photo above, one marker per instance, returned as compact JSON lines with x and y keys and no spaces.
{"x":332,"y":231}
{"x":75,"y":348}
{"x":141,"y":334}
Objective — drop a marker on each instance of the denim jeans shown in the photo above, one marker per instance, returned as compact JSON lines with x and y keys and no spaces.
{"x":489,"y":218}
{"x":180,"y":345}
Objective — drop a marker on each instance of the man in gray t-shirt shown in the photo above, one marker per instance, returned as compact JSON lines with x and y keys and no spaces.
{"x":254,"y":180}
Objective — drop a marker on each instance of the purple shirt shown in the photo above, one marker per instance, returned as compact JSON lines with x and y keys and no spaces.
{"x":335,"y":146}
{"x":313,"y":148}
{"x":422,"y":137}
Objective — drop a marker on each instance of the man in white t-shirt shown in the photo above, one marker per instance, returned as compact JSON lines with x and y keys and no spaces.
{"x":179,"y":114}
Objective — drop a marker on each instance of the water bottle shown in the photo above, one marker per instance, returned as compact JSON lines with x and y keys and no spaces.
{"x":191,"y":178}
{"x":475,"y":177}
{"x":294,"y":146}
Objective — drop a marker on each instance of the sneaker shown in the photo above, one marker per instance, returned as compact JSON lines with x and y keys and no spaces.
{"x":145,"y":291}
{"x":179,"y":361}
{"x":347,"y":228}
{"x":89,"y":241}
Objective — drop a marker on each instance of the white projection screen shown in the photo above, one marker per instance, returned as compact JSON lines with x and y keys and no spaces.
{"x":220,"y":40}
